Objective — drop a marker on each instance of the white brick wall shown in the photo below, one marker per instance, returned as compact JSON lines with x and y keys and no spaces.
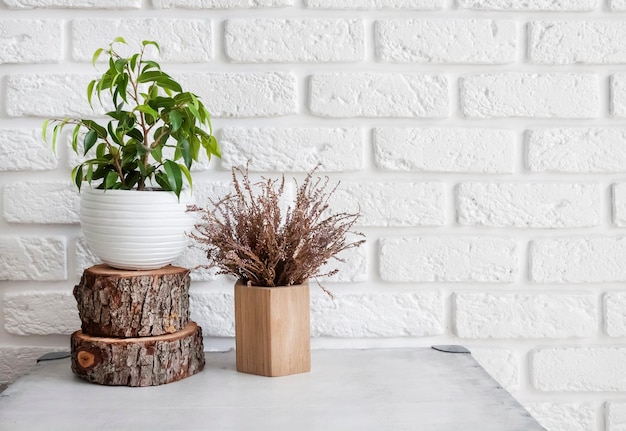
{"x":533,"y":95}
{"x":312,"y":40}
{"x":378,"y":95}
{"x":595,"y":368}
{"x":446,"y":41}
{"x":544,"y":205}
{"x":567,"y":42}
{"x":482,"y":140}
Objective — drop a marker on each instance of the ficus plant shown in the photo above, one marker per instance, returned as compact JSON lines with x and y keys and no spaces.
{"x":154,"y":133}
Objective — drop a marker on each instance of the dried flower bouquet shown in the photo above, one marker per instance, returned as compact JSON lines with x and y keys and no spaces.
{"x":247,"y":235}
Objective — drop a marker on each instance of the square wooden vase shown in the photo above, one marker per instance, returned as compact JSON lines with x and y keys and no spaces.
{"x":272,"y":329}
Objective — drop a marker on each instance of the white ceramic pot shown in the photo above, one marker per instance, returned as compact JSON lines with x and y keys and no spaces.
{"x":138,"y":230}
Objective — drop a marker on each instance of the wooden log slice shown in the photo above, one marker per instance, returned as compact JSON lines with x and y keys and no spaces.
{"x":122,"y":303}
{"x":144,"y":361}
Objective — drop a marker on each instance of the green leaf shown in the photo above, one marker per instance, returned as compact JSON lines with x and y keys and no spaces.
{"x":185,"y":150}
{"x":77,"y":175}
{"x":96,"y":55}
{"x":157,"y":153}
{"x":195,"y":147}
{"x":123,"y":84}
{"x":110,"y":180}
{"x":211,"y":147}
{"x":162,"y":102}
{"x":149,"y":64}
{"x":101,"y":150}
{"x":75,"y":138}
{"x":120,"y":65}
{"x":151,"y":42}
{"x":135,"y":134}
{"x":90,"y":92}
{"x":113,"y":134}
{"x":55,"y":134}
{"x":90,"y":139}
{"x":147,"y":110}
{"x":194,"y":111}
{"x":133,"y":61}
{"x":89,"y":174}
{"x":149,"y":76}
{"x":131,"y":180}
{"x":92,"y":125}
{"x":44,"y":130}
{"x":118,"y":39}
{"x":174,"y":176}
{"x":161,"y":180}
{"x":154,"y":91}
{"x":187,"y":174}
{"x":176,"y":119}
{"x":169,"y":84}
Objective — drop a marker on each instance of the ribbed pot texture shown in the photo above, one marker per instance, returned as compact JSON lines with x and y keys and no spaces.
{"x":137,"y":230}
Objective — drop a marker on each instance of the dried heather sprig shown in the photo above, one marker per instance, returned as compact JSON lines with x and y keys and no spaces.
{"x":245,"y":234}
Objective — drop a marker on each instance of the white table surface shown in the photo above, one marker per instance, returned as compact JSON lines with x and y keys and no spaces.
{"x":377,"y":389}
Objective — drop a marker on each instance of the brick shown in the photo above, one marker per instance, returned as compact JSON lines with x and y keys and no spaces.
{"x":180,"y":40}
{"x":531,"y":5}
{"x":448,"y":259}
{"x":292,"y":150}
{"x":84,"y":258}
{"x":575,"y":42}
{"x":375,"y":4}
{"x":214,"y":311}
{"x":615,"y":314}
{"x":352,"y":269}
{"x":51,"y":96}
{"x":16,"y":361}
{"x":534,"y":205}
{"x":219,"y":4}
{"x":578,"y":260}
{"x":40,"y":313}
{"x":619,"y":204}
{"x":598,"y":368}
{"x":501,"y":364}
{"x":32,"y":258}
{"x":485,"y":151}
{"x":617,"y":5}
{"x":365,"y":315}
{"x":525,"y":315}
{"x":294,"y":40}
{"x":564,"y":416}
{"x":379,"y":95}
{"x":78,"y":4}
{"x":244,"y":94}
{"x":25,"y":150}
{"x":41,"y":202}
{"x":195,"y":259}
{"x":576,"y":150}
{"x":615,"y":416}
{"x":405,"y":203}
{"x":618,"y":94}
{"x":463,"y":41}
{"x":30,"y":41}
{"x":533,"y":95}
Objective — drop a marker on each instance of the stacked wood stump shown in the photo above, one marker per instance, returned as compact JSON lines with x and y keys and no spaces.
{"x":135,"y":327}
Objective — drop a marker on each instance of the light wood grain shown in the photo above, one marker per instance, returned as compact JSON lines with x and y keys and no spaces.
{"x":272,"y":329}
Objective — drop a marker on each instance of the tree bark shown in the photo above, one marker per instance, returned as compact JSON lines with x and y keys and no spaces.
{"x":121,"y":303}
{"x":146,"y":361}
